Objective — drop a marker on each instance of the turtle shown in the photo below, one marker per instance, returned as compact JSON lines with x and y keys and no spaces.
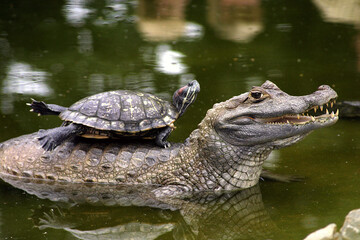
{"x":116,"y":114}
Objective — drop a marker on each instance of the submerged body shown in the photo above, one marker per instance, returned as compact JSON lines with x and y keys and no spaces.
{"x":226,"y":152}
{"x":349,"y":109}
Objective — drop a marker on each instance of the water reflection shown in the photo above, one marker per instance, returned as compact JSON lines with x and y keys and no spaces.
{"x":236,"y":20}
{"x":343,"y":11}
{"x":76,"y":12}
{"x":114,"y":12}
{"x":22,"y":78}
{"x":346,"y":12}
{"x":169,"y":61}
{"x":5,"y":50}
{"x":161,"y":20}
{"x":193,"y":31}
{"x":233,"y":215}
{"x":140,"y":231}
{"x":357,"y":47}
{"x":96,"y":83}
{"x":272,"y":162}
{"x":85,"y":42}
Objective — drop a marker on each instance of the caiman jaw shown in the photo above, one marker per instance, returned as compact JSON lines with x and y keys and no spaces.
{"x":305,"y":117}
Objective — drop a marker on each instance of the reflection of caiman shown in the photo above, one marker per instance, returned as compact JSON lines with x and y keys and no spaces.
{"x":226,"y":152}
{"x":205,"y":215}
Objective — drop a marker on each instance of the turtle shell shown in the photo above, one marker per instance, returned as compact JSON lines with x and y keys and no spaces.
{"x":122,"y":111}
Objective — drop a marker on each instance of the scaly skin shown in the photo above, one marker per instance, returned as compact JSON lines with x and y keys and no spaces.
{"x":226,"y":152}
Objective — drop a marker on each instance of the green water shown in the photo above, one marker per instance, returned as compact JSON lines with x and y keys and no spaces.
{"x":62,"y":51}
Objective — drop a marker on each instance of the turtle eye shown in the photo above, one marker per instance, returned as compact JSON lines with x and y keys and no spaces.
{"x":256,"y":95}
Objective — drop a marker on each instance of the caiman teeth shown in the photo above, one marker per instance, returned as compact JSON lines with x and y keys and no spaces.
{"x":304,"y":117}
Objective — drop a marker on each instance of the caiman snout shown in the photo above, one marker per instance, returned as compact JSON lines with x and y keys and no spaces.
{"x":328,"y":90}
{"x":324,"y":87}
{"x":276,"y":115}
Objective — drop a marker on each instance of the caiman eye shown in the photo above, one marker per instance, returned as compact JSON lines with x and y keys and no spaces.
{"x":256,"y":95}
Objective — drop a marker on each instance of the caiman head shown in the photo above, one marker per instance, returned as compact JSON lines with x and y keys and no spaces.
{"x":268,"y":115}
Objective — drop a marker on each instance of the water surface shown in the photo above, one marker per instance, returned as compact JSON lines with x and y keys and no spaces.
{"x":62,"y":51}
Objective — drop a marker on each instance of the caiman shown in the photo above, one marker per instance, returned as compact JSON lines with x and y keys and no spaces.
{"x":225,"y":152}
{"x":349,"y":109}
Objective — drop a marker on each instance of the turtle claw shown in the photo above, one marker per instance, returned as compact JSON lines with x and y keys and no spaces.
{"x":51,"y":138}
{"x":162,"y":136}
{"x":46,"y":141}
{"x":38,"y":107}
{"x":163,"y":144}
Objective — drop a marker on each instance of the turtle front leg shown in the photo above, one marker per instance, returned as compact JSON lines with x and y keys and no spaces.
{"x":51,"y":138}
{"x":162,"y":136}
{"x":45,"y":109}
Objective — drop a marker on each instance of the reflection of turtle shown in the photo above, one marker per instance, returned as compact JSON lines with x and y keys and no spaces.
{"x":117,"y":114}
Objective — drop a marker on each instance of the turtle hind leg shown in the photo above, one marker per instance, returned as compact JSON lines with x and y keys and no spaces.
{"x":45,"y":109}
{"x":51,"y":138}
{"x":162,"y":136}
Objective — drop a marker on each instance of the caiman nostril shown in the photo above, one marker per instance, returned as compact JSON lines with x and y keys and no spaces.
{"x":324,"y":87}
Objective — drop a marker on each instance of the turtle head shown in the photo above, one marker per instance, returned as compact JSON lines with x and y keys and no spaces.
{"x":185,"y":96}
